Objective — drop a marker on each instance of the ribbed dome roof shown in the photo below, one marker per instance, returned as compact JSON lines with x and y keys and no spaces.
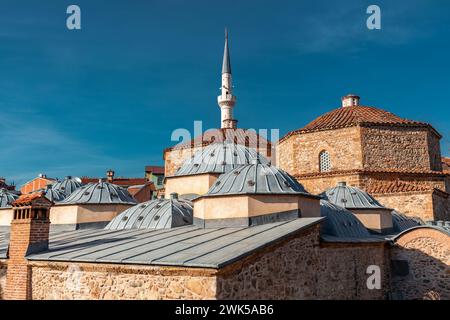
{"x":53,"y":194}
{"x":154,"y":214}
{"x":256,"y":178}
{"x":68,"y":185}
{"x":219,"y":158}
{"x":100,"y":193}
{"x":341,"y":222}
{"x":350,"y":197}
{"x":402,"y":222}
{"x":6,"y":198}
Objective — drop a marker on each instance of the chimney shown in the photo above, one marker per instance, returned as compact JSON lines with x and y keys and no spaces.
{"x":342,"y":184}
{"x":29,"y":234}
{"x":110,"y":175}
{"x":350,"y":100}
{"x":42,"y":175}
{"x":174,"y":196}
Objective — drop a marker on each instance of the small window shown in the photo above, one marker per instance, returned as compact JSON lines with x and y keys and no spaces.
{"x":324,"y":162}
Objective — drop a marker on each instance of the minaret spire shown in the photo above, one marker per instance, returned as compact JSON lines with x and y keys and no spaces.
{"x":226,"y":99}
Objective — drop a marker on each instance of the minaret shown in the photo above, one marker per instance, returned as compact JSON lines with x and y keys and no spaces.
{"x":226,"y":99}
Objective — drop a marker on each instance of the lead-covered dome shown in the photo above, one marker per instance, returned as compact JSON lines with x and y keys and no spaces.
{"x":219,"y":158}
{"x":340,"y":222}
{"x":53,"y":194}
{"x":256,"y":178}
{"x":350,"y":197}
{"x":100,"y":193}
{"x":68,"y":185}
{"x":154,"y":214}
{"x":7,"y":198}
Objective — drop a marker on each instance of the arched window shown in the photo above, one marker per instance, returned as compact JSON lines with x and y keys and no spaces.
{"x":324,"y":161}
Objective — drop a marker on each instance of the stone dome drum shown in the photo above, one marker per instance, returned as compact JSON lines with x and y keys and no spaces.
{"x":154,"y":214}
{"x":350,"y":197}
{"x":68,"y":185}
{"x":219,"y":158}
{"x":99,"y":193}
{"x":256,"y":178}
{"x":7,"y":198}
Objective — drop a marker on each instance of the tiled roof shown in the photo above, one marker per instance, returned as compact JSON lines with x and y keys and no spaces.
{"x":397,"y":186}
{"x":155,"y":169}
{"x":248,"y":138}
{"x":28,"y":198}
{"x":352,"y":116}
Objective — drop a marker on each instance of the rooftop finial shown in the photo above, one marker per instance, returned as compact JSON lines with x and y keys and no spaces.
{"x":226,"y":66}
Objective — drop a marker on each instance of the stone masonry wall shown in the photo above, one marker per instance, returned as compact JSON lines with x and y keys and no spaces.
{"x":396,"y":148}
{"x":441,"y":206}
{"x":421,"y":265}
{"x":99,"y":281}
{"x":3,"y":269}
{"x":319,"y":184}
{"x":301,"y":269}
{"x":434,"y":151}
{"x":299,"y":154}
{"x":413,"y":204}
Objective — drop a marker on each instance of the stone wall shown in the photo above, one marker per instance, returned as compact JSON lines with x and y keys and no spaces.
{"x":173,"y":159}
{"x":441,"y":206}
{"x":3,"y":269}
{"x":101,"y":281}
{"x":434,"y":151}
{"x":299,"y":154}
{"x":421,"y":265}
{"x":318,"y":184}
{"x":397,"y":148}
{"x":413,"y":204}
{"x":302,"y":269}
{"x":342,"y":271}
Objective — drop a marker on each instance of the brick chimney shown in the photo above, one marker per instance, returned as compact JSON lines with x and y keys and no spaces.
{"x":350,"y":100}
{"x":29,"y":234}
{"x":110,"y":175}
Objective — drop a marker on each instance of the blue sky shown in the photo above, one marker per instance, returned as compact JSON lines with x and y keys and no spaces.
{"x":110,"y":95}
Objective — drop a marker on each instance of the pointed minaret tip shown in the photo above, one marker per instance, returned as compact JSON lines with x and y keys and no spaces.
{"x":226,"y":66}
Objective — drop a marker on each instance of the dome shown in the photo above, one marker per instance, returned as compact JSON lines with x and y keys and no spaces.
{"x":350,"y":197}
{"x":53,"y":194}
{"x":99,"y":193}
{"x":7,"y":198}
{"x":256,"y":178}
{"x":402,"y":222}
{"x":154,"y":214}
{"x":219,"y":158}
{"x":68,"y":185}
{"x":340,"y":222}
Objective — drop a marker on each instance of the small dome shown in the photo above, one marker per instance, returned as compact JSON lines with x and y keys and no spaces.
{"x":256,"y":178}
{"x":350,"y":197}
{"x":402,"y":222}
{"x":340,"y":222}
{"x":100,"y":193}
{"x":53,"y":194}
{"x":68,"y":185}
{"x":219,"y":158}
{"x":7,"y":198}
{"x":154,"y":214}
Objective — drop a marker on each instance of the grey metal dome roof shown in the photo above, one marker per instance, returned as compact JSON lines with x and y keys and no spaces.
{"x":351,"y":197}
{"x":7,"y":198}
{"x":340,"y":222}
{"x":219,"y":158}
{"x":154,"y":214}
{"x":99,"y":193}
{"x":402,"y":222}
{"x":256,"y":178}
{"x":68,"y":185}
{"x":53,"y":194}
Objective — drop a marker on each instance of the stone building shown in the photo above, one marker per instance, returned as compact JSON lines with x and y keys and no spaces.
{"x":395,"y":159}
{"x":237,"y":226}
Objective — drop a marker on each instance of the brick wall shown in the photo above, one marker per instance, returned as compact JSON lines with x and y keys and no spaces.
{"x":299,"y":154}
{"x":421,"y":265}
{"x":414,"y":204}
